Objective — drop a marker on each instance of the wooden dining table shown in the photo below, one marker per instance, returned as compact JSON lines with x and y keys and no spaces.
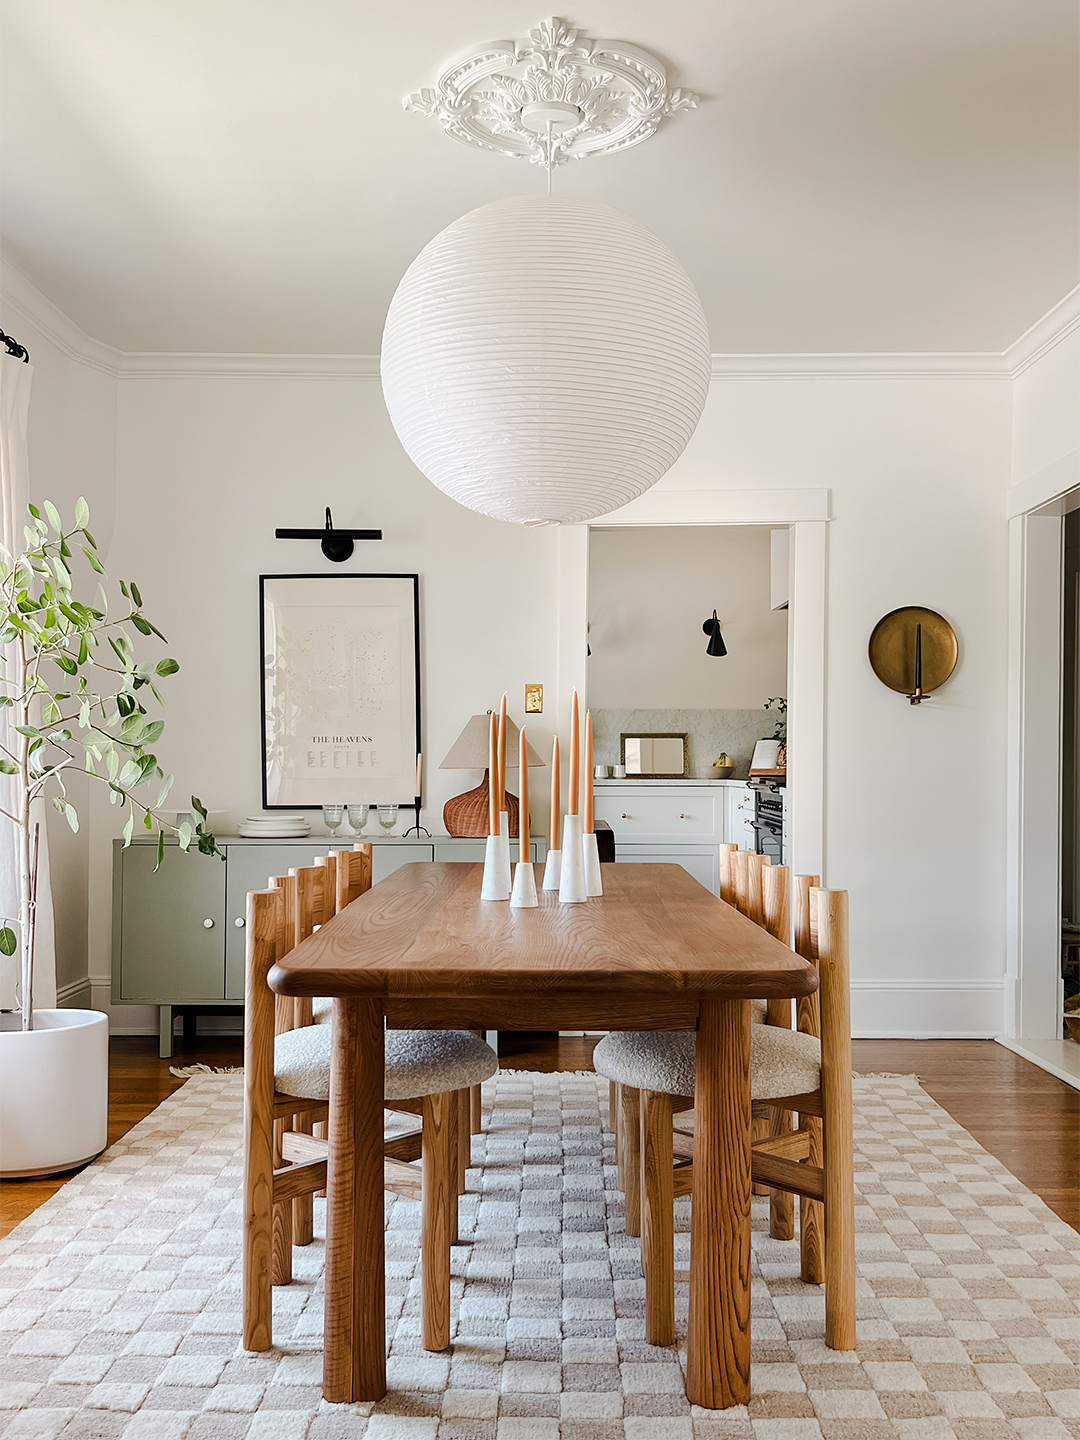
{"x":657,"y":951}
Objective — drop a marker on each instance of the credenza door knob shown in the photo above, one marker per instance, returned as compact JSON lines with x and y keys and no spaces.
{"x":208,"y":924}
{"x":239,"y":922}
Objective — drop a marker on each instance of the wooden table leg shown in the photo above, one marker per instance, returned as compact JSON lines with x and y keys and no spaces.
{"x":354,"y":1341}
{"x":718,"y":1342}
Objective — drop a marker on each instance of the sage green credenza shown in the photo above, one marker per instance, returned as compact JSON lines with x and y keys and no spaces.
{"x":178,"y":935}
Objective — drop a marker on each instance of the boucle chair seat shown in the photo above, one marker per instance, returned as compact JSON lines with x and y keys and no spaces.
{"x":418,"y":1062}
{"x":782,"y":1062}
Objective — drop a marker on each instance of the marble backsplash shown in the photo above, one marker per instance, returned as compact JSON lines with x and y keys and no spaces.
{"x":710,"y":731}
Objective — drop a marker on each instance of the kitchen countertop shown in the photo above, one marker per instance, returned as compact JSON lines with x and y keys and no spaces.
{"x":696,"y":783}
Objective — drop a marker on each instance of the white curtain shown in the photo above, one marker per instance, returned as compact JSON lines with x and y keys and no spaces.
{"x":16,"y":378}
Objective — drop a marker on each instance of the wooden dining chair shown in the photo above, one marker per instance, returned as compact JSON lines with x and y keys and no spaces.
{"x":287,"y":1075}
{"x":740,"y":875}
{"x":806,"y":1072}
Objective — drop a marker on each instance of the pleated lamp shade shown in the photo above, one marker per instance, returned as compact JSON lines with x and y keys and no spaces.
{"x":545,"y":359}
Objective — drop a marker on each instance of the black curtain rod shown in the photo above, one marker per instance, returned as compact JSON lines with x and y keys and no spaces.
{"x":14,"y":348}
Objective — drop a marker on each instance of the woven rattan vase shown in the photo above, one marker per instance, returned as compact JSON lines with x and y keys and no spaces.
{"x":467,"y":815}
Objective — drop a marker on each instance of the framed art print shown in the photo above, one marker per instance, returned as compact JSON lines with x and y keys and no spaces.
{"x":340,"y":689}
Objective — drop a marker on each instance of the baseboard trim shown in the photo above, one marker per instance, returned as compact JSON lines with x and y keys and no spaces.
{"x":1060,"y":1058}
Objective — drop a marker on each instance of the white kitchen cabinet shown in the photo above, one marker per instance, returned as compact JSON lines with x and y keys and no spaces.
{"x":676,"y":822}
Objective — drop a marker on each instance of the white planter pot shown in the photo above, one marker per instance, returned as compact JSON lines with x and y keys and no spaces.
{"x":54,"y":1092}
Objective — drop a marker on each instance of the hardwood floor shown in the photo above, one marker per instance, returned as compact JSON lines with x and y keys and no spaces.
{"x":1028,"y":1119}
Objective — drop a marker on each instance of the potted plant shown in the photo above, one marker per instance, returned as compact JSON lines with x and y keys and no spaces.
{"x":779,"y":721}
{"x":77,"y":700}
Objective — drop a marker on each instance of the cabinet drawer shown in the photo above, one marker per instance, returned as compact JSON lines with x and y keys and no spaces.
{"x":385,"y":859}
{"x":661,"y":817}
{"x":169,"y":953}
{"x":702,"y":862}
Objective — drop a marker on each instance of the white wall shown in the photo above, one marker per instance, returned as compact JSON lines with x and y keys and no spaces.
{"x":72,"y":444}
{"x":1046,"y":409}
{"x":207,"y":468}
{"x":915,"y":796}
{"x":649,"y":592}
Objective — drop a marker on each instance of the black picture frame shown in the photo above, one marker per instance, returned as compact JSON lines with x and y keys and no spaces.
{"x":405,"y":801}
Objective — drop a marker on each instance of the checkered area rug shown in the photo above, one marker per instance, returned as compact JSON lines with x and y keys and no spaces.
{"x":121,"y":1296}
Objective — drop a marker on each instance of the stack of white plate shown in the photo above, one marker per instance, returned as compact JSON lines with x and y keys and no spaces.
{"x":274,"y":827}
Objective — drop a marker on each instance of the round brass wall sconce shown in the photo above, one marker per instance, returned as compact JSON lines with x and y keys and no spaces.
{"x":913,"y":651}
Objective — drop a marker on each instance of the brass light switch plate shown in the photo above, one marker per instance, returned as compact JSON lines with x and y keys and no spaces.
{"x":534,"y":699}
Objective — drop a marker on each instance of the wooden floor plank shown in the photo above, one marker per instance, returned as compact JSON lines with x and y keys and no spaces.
{"x":1024,"y":1116}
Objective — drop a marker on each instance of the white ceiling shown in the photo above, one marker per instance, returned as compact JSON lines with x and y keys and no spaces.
{"x":239,"y":175}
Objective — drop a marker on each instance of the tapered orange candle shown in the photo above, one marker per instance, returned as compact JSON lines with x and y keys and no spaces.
{"x":575,"y":764}
{"x":502,"y":757}
{"x":588,"y":774}
{"x":493,"y":775}
{"x":523,"y":801}
{"x":553,"y":837}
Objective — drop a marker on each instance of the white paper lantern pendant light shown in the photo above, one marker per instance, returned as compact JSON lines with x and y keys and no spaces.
{"x":545,"y":358}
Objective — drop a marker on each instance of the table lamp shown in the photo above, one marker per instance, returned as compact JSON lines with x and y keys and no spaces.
{"x":467,"y":814}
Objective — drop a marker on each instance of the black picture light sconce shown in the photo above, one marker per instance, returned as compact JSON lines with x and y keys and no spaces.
{"x":336,"y":544}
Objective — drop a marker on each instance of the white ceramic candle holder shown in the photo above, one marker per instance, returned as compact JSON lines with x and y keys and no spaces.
{"x":504,"y":841}
{"x":496,"y":882}
{"x":552,"y":870}
{"x":523,"y":895}
{"x":572,"y":877}
{"x":594,"y":885}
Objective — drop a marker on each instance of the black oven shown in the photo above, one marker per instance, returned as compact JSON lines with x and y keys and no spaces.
{"x":768,"y":819}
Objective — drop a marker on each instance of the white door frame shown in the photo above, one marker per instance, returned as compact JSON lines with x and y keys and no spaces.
{"x":806,"y":512}
{"x":1033,"y":874}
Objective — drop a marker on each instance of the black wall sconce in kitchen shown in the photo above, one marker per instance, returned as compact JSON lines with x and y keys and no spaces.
{"x":913,"y":651}
{"x":335,"y":544}
{"x":716,"y":644}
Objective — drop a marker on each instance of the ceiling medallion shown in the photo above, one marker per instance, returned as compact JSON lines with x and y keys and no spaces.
{"x":553,"y":97}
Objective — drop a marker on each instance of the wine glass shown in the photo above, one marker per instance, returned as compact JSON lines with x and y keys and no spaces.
{"x":332,"y":817}
{"x":358,"y":817}
{"x":388,"y":817}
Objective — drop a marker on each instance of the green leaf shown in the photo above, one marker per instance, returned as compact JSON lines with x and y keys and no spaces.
{"x":160,"y":850}
{"x":148,"y":820}
{"x":124,"y":590}
{"x":159,"y":635}
{"x":72,"y":817}
{"x":54,"y":516}
{"x":67,"y":664}
{"x":167,"y":667}
{"x":34,"y":511}
{"x":8,"y":943}
{"x":95,"y":563}
{"x":152,"y":734}
{"x":143,"y":626}
{"x":184,"y":833}
{"x":166,"y":786}
{"x":50,"y":713}
{"x":28,"y":730}
{"x":8,"y":767}
{"x":135,"y":594}
{"x":128,"y":828}
{"x":89,"y":537}
{"x":198,"y":807}
{"x":131,"y":774}
{"x":82,"y":513}
{"x":6,"y":700}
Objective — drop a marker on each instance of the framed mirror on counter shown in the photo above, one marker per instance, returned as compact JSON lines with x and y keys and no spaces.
{"x":655,"y":756}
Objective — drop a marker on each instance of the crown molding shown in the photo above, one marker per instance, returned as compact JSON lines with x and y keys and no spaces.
{"x":26,"y":301}
{"x":21,"y":298}
{"x":1054,"y":326}
{"x":154,"y":365}
{"x":838,"y":367}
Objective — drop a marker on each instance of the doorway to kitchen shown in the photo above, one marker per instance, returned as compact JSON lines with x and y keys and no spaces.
{"x":804,"y":516}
